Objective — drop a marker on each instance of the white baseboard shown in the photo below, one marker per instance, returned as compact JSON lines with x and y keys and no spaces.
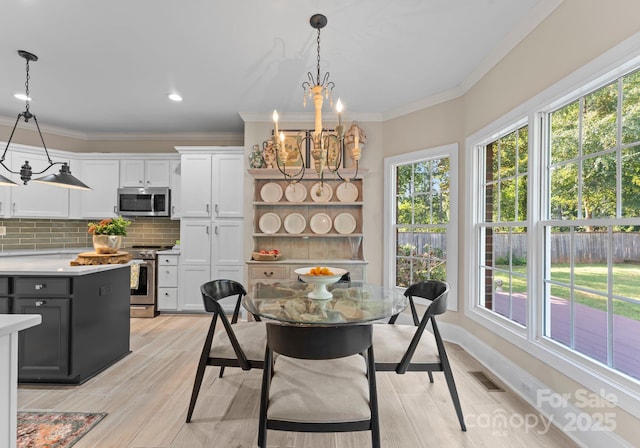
{"x":586,"y":428}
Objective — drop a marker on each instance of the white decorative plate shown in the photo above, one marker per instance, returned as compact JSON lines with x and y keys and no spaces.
{"x":271,"y":192}
{"x":321,"y":192}
{"x":295,"y":192}
{"x":344,"y":223}
{"x":347,"y":192}
{"x":295,"y":223}
{"x":320,"y":223}
{"x":269,"y":223}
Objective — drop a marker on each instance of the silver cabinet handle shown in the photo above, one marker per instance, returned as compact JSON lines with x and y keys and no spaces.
{"x":148,"y":182}
{"x":207,"y":208}
{"x":216,"y":230}
{"x":216,"y":208}
{"x":40,"y":286}
{"x":115,"y":209}
{"x":0,"y":207}
{"x":207,"y":230}
{"x":267,"y":274}
{"x":173,"y":209}
{"x":41,"y":302}
{"x":14,"y":207}
{"x":140,"y":181}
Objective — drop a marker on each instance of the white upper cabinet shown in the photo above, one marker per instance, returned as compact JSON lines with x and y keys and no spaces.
{"x":144,"y":173}
{"x":102,"y":177}
{"x":212,"y":185}
{"x":36,"y":200}
{"x":226,"y":175}
{"x":175,"y":170}
{"x":195,"y":196}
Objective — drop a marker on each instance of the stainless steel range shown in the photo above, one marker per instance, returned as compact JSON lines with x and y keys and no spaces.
{"x":144,"y":295}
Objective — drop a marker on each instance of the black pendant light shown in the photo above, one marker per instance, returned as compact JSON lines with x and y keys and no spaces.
{"x":64,"y":178}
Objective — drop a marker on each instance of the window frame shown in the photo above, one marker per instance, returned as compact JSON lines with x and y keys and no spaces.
{"x":390,"y":164}
{"x":620,"y":60}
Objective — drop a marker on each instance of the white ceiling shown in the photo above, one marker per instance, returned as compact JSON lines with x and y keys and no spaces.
{"x":105,"y":67}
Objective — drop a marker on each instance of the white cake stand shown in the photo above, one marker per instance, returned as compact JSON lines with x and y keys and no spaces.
{"x":320,"y":282}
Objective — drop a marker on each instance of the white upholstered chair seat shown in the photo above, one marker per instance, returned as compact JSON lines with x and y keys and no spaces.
{"x":319,"y":391}
{"x":252,"y":337}
{"x":390,"y":343}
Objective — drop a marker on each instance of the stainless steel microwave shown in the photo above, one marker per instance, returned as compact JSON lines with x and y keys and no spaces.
{"x":144,"y":201}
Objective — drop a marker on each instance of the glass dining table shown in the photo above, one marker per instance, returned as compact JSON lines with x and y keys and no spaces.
{"x":352,"y":303}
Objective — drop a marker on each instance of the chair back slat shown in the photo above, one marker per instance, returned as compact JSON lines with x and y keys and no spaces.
{"x":318,"y":342}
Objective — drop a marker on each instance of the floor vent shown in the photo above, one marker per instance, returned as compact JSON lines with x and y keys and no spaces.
{"x":488,"y":384}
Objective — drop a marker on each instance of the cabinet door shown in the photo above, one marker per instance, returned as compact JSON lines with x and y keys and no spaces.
{"x":191,"y":277}
{"x":37,"y":200}
{"x":175,"y":168}
{"x":227,"y":249}
{"x":227,"y":180}
{"x":132,"y":173}
{"x":103,"y":177}
{"x":157,"y":173}
{"x":43,"y":350}
{"x":195,"y":197}
{"x":195,"y":241}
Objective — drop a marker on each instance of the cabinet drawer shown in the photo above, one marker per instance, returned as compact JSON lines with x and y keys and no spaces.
{"x":268,"y":272}
{"x":4,"y":285}
{"x":43,"y":286}
{"x":167,"y":276}
{"x":167,"y":299}
{"x":168,"y":260}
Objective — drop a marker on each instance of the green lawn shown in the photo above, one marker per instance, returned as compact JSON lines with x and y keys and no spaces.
{"x":626,"y":282}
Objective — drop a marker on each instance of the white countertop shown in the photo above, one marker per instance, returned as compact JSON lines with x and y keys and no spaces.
{"x":10,"y":323}
{"x":53,"y":265}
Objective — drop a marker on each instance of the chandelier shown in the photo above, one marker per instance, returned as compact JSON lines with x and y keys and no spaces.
{"x":62,"y":179}
{"x":321,"y":141}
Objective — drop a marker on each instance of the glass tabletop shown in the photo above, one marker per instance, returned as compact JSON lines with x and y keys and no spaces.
{"x":351,"y":303}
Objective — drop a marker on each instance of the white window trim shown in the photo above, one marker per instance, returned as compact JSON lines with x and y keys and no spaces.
{"x":614,"y":63}
{"x":390,"y":164}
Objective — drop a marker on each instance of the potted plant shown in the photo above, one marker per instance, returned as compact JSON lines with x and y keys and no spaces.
{"x":108,"y":233}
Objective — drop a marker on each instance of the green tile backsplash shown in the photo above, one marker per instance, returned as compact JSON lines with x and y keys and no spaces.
{"x":65,"y":233}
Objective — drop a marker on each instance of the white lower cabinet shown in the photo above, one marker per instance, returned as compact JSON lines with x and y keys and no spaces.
{"x":208,"y":250}
{"x":191,"y":277}
{"x":167,"y":282}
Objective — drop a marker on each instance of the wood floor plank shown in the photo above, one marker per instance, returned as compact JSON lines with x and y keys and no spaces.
{"x":147,"y":393}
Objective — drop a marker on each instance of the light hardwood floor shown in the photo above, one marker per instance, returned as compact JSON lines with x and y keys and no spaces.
{"x":147,"y":394}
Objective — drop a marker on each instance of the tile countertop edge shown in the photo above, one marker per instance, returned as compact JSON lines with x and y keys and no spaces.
{"x":10,"y":323}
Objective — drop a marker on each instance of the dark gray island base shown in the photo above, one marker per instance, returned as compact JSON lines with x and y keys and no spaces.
{"x":85,"y":321}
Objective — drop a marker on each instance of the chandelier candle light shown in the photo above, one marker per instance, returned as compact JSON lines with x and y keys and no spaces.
{"x":318,"y":88}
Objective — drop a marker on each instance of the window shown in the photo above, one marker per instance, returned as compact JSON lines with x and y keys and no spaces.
{"x":422,"y":220}
{"x":592,"y":225}
{"x":503,"y":232}
{"x":555,"y":229}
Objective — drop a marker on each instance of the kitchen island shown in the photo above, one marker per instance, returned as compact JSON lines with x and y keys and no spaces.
{"x":84,"y":310}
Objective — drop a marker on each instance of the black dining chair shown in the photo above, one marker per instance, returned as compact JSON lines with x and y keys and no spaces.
{"x":319,"y":381}
{"x":409,"y":348}
{"x":241,"y":344}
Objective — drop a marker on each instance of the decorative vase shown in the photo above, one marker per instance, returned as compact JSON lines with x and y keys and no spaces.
{"x":255,"y":158}
{"x":107,"y":244}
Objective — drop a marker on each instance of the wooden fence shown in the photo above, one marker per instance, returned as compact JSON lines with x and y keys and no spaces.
{"x":589,"y":247}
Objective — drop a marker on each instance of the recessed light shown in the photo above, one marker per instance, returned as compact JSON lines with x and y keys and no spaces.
{"x":175,"y":97}
{"x":22,"y":97}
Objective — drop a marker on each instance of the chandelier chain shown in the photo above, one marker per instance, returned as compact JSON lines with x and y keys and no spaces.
{"x":26,"y":85}
{"x":318,"y":57}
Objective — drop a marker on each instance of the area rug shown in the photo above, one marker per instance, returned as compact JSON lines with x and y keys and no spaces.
{"x":54,"y":429}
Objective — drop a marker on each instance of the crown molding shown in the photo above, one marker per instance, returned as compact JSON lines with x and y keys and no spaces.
{"x":211,"y":136}
{"x":62,"y":132}
{"x":520,"y":30}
